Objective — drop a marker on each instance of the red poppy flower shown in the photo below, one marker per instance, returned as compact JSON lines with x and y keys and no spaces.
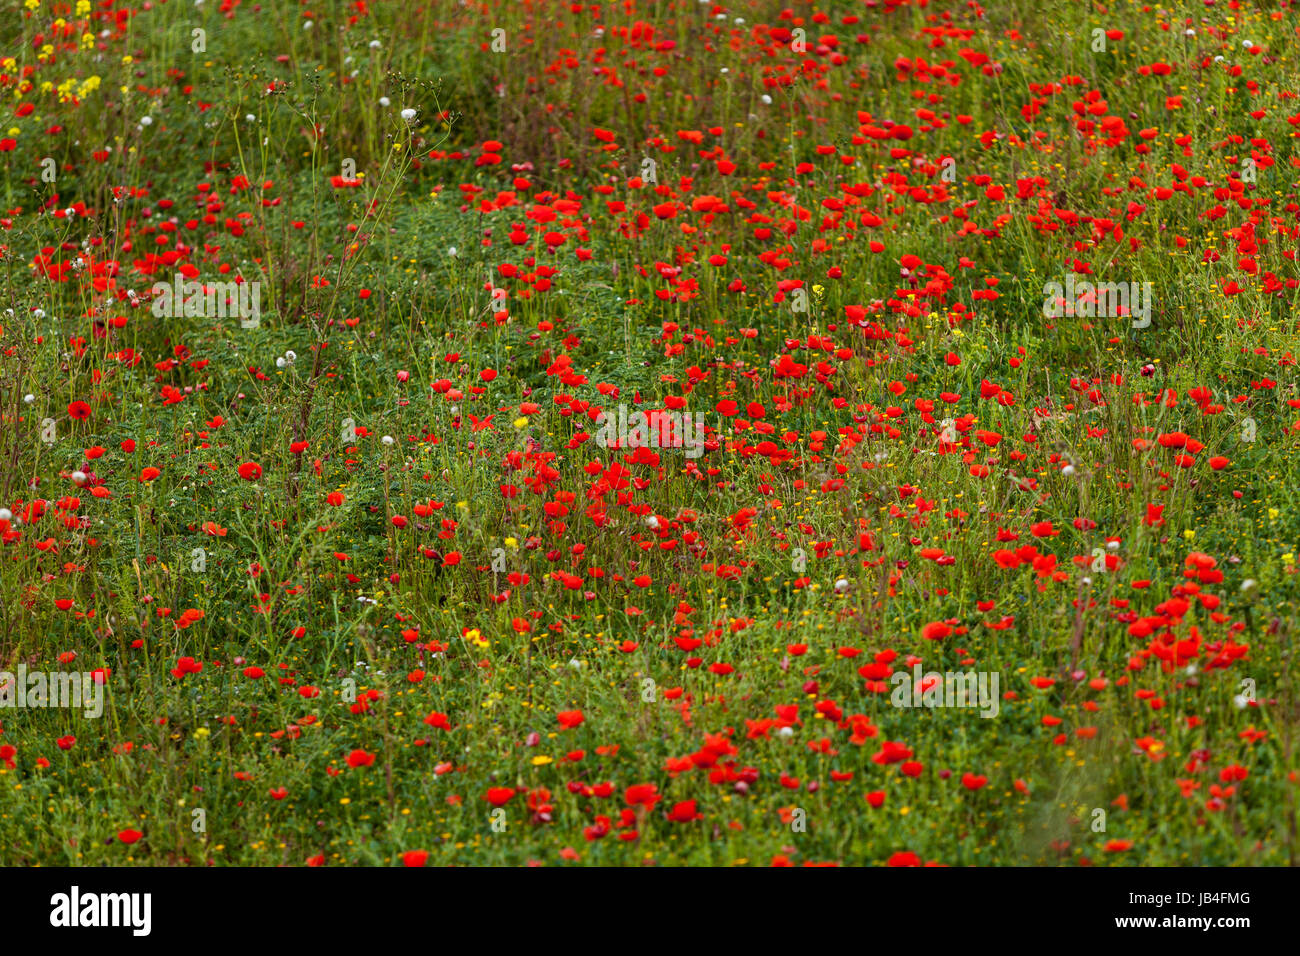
{"x":684,"y":812}
{"x":359,"y":758}
{"x":644,"y":794}
{"x":570,"y":718}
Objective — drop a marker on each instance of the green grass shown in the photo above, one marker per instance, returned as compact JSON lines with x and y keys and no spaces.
{"x":754,"y":554}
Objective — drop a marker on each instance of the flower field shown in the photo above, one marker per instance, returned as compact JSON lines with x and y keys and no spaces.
{"x":654,"y":432}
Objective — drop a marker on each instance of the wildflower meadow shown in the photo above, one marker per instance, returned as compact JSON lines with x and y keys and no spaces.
{"x":649,"y":433}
